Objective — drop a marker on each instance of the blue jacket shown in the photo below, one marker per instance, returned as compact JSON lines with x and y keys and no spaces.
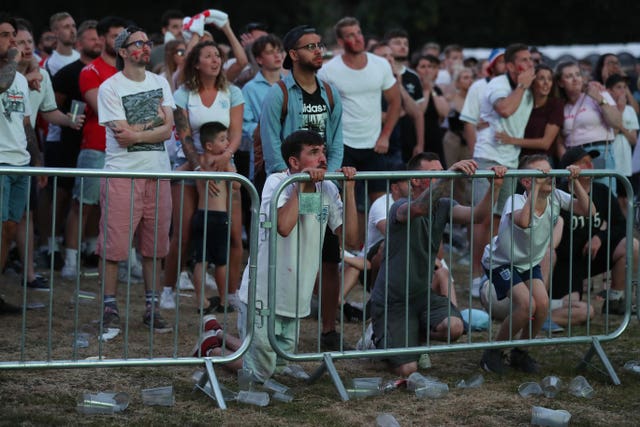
{"x":272,"y":132}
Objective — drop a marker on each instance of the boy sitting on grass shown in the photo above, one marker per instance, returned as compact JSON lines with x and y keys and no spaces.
{"x":512,"y":260}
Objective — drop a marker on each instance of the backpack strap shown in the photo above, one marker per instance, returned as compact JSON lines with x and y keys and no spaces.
{"x":285,"y":101}
{"x":327,"y":87}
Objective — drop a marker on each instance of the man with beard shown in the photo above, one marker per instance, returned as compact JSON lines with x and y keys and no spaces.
{"x":63,"y":27}
{"x":63,"y":144}
{"x":311,"y":104}
{"x":363,"y":78}
{"x":136,"y":106}
{"x":46,"y":44}
{"x":92,"y":147}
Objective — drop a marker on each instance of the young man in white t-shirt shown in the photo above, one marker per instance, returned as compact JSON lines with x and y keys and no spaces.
{"x":299,"y":232}
{"x":136,"y":107}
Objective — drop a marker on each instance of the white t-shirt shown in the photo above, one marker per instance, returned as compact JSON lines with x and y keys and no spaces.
{"x":471,"y":109}
{"x":42,"y":100}
{"x":621,"y":147}
{"x":360,"y":91}
{"x":487,"y":147}
{"x":529,"y":245}
{"x":199,"y":114}
{"x":53,"y":64}
{"x":136,"y":102}
{"x":298,"y":254}
{"x":377,"y":212}
{"x":14,"y":107}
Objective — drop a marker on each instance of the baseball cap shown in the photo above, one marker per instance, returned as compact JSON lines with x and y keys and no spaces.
{"x":494,"y":55}
{"x":574,"y":154}
{"x":291,"y":38}
{"x":120,"y":41}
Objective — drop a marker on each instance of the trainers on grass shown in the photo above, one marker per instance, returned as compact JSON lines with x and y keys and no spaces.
{"x":492,"y":361}
{"x":159,"y":324}
{"x":520,"y":359}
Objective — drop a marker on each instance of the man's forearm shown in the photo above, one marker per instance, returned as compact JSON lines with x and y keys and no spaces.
{"x":32,"y":146}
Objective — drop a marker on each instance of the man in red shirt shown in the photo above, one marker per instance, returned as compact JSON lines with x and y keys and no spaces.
{"x":93,"y":144}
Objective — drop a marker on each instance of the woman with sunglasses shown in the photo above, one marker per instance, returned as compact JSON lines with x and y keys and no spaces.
{"x":204,"y":96}
{"x":174,"y":54}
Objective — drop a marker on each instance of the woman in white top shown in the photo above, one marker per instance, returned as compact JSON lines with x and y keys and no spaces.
{"x":590,"y":114}
{"x":205,"y":96}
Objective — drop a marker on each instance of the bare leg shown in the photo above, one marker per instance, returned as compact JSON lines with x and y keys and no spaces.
{"x":330,"y":295}
{"x":198,"y":271}
{"x":235,"y":251}
{"x":618,"y":269}
{"x":171,"y":268}
{"x":110,"y":278}
{"x":449,"y":327}
{"x":221,"y":276}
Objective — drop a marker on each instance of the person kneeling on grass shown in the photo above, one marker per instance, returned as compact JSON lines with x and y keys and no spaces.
{"x":512,"y":260}
{"x":301,"y":233}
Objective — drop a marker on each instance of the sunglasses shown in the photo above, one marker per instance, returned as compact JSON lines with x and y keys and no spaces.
{"x":180,"y":52}
{"x":311,"y":46}
{"x":139,"y":44}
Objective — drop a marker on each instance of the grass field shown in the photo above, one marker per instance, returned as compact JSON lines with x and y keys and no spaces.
{"x":48,"y":397}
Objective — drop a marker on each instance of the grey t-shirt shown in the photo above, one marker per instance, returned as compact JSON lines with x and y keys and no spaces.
{"x":425,"y":236}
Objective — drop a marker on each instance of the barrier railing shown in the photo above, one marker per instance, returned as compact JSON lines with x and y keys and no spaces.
{"x":74,"y":308}
{"x":591,"y":334}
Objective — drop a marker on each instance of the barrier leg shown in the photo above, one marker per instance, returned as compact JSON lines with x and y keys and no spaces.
{"x":596,"y":348}
{"x":327,"y":365}
{"x":212,"y":389}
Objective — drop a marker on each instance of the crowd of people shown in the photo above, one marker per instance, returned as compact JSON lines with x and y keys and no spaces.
{"x":107,"y":95}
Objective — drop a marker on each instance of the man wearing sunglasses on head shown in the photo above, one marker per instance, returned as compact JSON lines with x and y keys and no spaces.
{"x":311,"y":104}
{"x":136,"y":107}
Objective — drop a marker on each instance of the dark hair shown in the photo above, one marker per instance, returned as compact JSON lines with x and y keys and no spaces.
{"x":190,"y":76}
{"x":108,"y":22}
{"x":374,"y":47}
{"x":451,"y":48}
{"x":557,"y":75}
{"x":416,"y":60}
{"x":531,"y":158}
{"x":24,"y":25}
{"x":253,"y":26}
{"x":347,"y":21}
{"x":169,"y":15}
{"x":512,"y":49}
{"x":396,"y":33}
{"x":261,"y":44}
{"x":597,"y":70}
{"x":292,"y":144}
{"x":5,"y":18}
{"x":414,"y":163}
{"x":209,"y":131}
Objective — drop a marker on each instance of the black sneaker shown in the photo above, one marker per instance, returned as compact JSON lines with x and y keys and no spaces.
{"x":330,"y":341}
{"x":214,"y":305}
{"x":90,"y":260}
{"x":520,"y":359}
{"x":159,"y":324}
{"x":58,"y":260}
{"x":351,"y":313}
{"x":614,"y":306}
{"x":492,"y":361}
{"x":7,"y":308}
{"x":110,"y":317}
{"x":38,"y":284}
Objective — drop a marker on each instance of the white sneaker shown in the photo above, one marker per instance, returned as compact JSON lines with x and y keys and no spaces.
{"x":210,"y":281}
{"x":168,"y":299}
{"x":185,"y":283}
{"x":234,"y":300}
{"x":69,"y":272}
{"x":366,"y":342}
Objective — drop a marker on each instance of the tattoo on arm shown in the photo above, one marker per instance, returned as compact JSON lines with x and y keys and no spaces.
{"x":8,"y":70}
{"x":184,"y":131}
{"x":435,"y":192}
{"x":32,"y":145}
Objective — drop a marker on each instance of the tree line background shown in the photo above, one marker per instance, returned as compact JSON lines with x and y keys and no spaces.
{"x":472,"y":23}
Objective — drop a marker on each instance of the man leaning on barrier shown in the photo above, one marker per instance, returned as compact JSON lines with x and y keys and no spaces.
{"x":426,"y":314}
{"x":299,"y":232}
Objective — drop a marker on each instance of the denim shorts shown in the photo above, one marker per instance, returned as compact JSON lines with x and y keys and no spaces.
{"x":86,"y":189}
{"x":14,"y":196}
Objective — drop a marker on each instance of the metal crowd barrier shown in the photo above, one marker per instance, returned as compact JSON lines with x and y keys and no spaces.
{"x":34,"y":346}
{"x":310,"y":351}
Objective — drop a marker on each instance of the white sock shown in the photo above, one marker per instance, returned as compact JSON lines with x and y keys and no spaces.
{"x":70,"y":256}
{"x":615,"y":295}
{"x":90,"y":245}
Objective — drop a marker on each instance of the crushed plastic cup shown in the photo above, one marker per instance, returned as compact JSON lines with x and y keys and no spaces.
{"x":275,"y":387}
{"x":102,"y":403}
{"x":633,"y":366}
{"x":159,"y":396}
{"x":282,"y":397}
{"x":432,"y":390}
{"x":373,"y":383}
{"x":258,"y":398}
{"x":417,"y":380}
{"x":81,"y":340}
{"x":549,"y":417}
{"x":295,"y":371}
{"x":109,"y":334}
{"x":197,"y":376}
{"x":386,"y":420}
{"x":474,"y":381}
{"x":580,"y":387}
{"x":245,"y":379}
{"x":361,"y":393}
{"x":84,"y":297}
{"x":551,"y":386}
{"x":529,"y":389}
